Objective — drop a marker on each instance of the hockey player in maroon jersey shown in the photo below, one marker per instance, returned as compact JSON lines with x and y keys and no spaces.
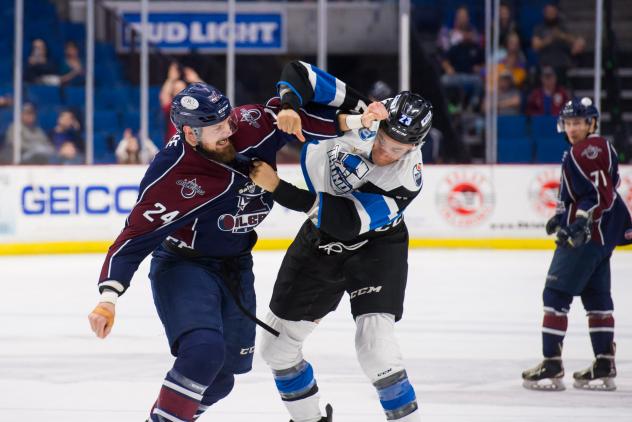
{"x":197,"y":211}
{"x":590,"y":222}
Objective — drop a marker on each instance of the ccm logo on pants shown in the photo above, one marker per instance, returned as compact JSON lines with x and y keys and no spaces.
{"x":247,"y":350}
{"x":365,"y":291}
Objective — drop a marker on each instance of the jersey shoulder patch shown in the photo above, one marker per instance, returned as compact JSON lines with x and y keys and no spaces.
{"x":254,"y":125}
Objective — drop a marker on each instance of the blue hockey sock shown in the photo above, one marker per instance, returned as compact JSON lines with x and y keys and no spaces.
{"x":297,"y":382}
{"x":396,"y":395}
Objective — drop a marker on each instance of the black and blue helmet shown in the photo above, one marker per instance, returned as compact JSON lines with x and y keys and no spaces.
{"x":199,"y":105}
{"x":577,"y":107}
{"x":409,"y":118}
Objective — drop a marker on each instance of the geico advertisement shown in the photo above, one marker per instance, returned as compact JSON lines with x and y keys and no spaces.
{"x":91,"y":203}
{"x":66,"y":203}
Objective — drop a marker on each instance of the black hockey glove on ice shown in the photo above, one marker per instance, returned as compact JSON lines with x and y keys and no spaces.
{"x":554,"y":224}
{"x":575,"y":235}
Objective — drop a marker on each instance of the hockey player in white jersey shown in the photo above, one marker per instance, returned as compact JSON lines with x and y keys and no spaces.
{"x":354,"y":240}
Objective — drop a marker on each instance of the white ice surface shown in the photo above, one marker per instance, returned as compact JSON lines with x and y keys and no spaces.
{"x":471,"y":325}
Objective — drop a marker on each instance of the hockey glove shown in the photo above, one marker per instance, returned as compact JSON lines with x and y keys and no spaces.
{"x":554,"y":224}
{"x":575,"y":235}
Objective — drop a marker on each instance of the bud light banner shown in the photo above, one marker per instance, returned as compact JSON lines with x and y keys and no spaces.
{"x":262,"y":32}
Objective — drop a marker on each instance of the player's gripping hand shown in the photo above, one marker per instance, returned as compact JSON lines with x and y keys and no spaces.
{"x":574,"y":235}
{"x":264,"y":175}
{"x":102,"y":319}
{"x":554,"y":224}
{"x":289,"y":121}
{"x":375,"y":111}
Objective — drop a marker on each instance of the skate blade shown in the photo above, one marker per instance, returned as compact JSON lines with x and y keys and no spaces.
{"x":600,"y":384}
{"x":544,"y":385}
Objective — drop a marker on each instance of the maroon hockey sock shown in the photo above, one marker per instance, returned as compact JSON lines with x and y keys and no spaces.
{"x":179,"y":398}
{"x":601,"y":329}
{"x":553,"y":331}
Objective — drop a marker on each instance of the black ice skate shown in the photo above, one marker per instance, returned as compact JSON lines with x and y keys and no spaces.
{"x":599,"y":376}
{"x":547,"y":376}
{"x":329,"y":411}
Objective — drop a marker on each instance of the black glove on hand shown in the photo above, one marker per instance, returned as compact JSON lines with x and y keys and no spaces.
{"x":554,"y":224}
{"x":575,"y":235}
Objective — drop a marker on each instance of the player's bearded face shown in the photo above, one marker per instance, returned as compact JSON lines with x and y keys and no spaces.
{"x":386,"y":150}
{"x":216,"y":140}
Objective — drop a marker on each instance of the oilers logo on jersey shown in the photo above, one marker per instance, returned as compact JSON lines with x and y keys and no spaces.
{"x":251,"y":211}
{"x":190,"y":188}
{"x":250,"y":116}
{"x":417,"y":177}
{"x":347,"y":169}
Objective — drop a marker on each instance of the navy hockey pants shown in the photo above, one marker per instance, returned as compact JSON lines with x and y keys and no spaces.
{"x":194,"y":293}
{"x":574,"y":270}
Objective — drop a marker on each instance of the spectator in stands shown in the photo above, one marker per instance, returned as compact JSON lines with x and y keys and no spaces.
{"x":462,"y":65}
{"x":129,"y":151}
{"x":66,"y":137}
{"x":379,"y":91}
{"x":462,"y":31}
{"x":507,"y":24}
{"x":514,"y":61}
{"x":35,"y":147}
{"x":549,"y":98}
{"x":6,"y":100}
{"x":554,"y":44}
{"x":176,"y":81}
{"x":40,"y":68}
{"x":71,"y":70}
{"x":508,"y":95}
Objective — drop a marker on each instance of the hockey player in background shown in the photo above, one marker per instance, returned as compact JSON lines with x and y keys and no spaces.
{"x":197,"y":211}
{"x":590,"y":222}
{"x":354,"y":240}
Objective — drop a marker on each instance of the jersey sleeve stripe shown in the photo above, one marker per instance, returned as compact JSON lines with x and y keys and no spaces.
{"x":341,"y":93}
{"x":311,"y":74}
{"x":291,"y":87}
{"x":376,"y":208}
{"x":114,"y":254}
{"x":260,"y":142}
{"x":320,"y":135}
{"x":365,"y":220}
{"x":325,"y":88}
{"x":320,"y":209}
{"x":316,"y":117}
{"x":308,"y":180}
{"x":392,"y":206}
{"x":140,"y":198}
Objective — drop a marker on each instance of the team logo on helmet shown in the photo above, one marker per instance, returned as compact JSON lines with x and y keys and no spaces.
{"x":417,"y":177}
{"x":586,"y":102}
{"x":250,"y":116}
{"x":189,"y":102}
{"x":251,"y":211}
{"x":465,"y":199}
{"x":543,"y":192}
{"x":426,"y":119}
{"x":190,"y":188}
{"x":215,"y":96}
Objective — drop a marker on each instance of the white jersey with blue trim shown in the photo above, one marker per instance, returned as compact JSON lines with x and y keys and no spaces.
{"x":342,"y":168}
